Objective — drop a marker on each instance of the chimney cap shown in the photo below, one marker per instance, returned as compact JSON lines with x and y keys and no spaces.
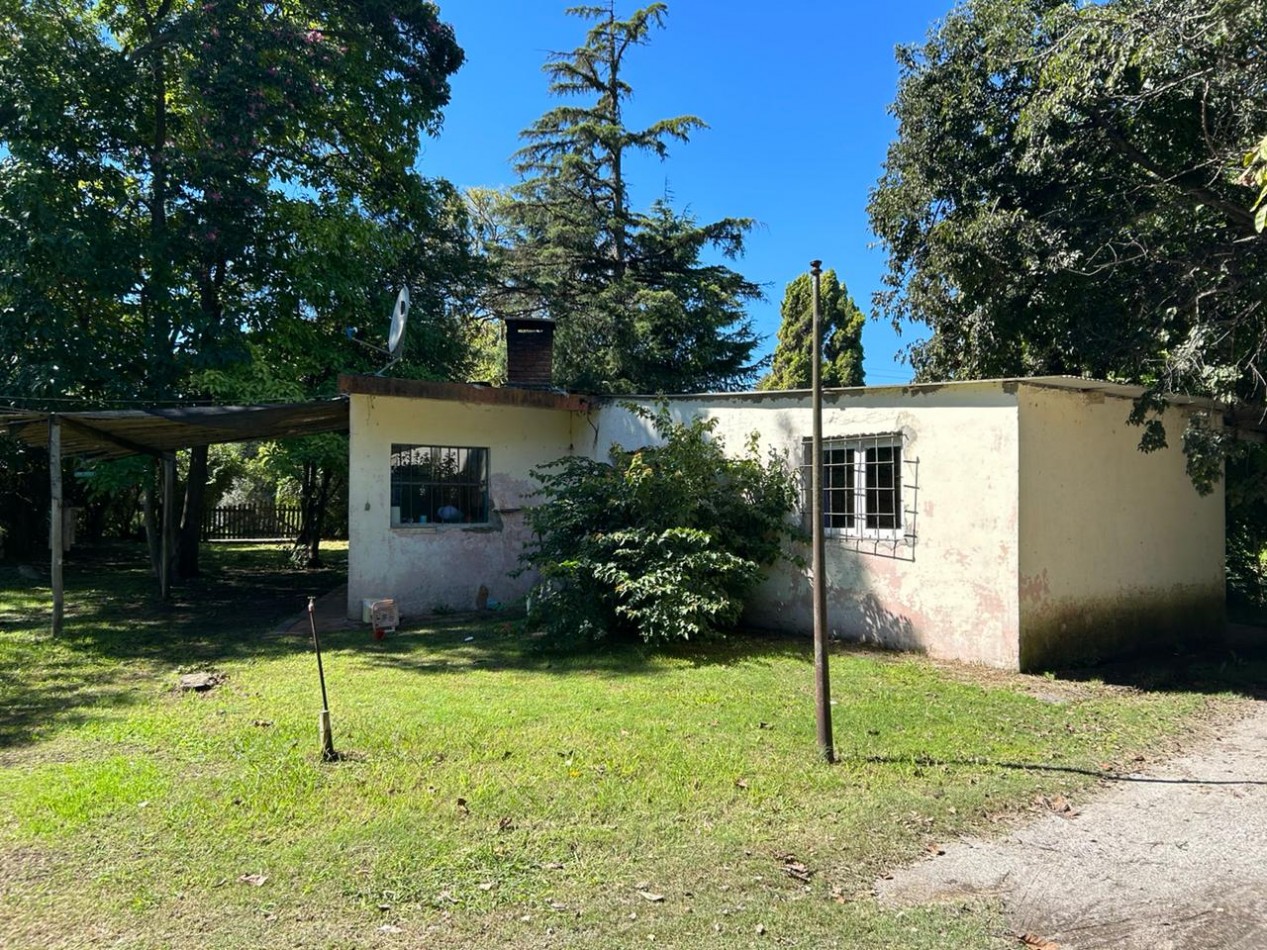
{"x":526,"y":319}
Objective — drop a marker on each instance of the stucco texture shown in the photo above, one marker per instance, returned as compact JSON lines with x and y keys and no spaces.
{"x":1034,"y":532}
{"x":1118,"y":551}
{"x":951,"y":590}
{"x":430,"y":567}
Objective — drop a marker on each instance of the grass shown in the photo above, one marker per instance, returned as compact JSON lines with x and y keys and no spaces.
{"x":493,"y":794}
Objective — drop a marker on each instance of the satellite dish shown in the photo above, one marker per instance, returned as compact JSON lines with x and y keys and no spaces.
{"x":399,"y":313}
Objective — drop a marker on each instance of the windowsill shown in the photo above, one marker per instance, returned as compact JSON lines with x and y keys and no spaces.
{"x":875,"y":534}
{"x":433,"y":526}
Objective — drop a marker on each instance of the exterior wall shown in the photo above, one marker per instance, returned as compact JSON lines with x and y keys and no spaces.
{"x":953,"y":593}
{"x":1042,"y":536}
{"x":1117,"y":550}
{"x":427,"y":566}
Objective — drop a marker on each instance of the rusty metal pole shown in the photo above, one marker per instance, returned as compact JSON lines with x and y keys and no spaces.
{"x":325,"y":734}
{"x":822,"y":681}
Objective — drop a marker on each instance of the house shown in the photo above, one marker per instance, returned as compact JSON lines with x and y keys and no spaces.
{"x":1012,"y":523}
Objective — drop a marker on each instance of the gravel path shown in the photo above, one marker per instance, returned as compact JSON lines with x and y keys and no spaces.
{"x":1175,"y":858}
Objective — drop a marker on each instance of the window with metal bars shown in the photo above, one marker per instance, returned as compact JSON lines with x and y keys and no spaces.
{"x":862,"y":485}
{"x":438,"y":484}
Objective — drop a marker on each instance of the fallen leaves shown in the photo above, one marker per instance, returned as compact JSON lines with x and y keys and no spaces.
{"x":255,"y":880}
{"x":651,"y":896}
{"x":792,"y":867}
{"x":1037,"y":943}
{"x":1057,"y":805}
{"x":797,"y":870}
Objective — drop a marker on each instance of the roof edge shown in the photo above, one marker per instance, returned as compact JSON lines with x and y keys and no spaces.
{"x":1069,"y":383}
{"x":355,"y":385}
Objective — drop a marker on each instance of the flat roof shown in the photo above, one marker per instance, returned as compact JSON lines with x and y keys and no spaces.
{"x":1072,"y":383}
{"x":465,"y":392}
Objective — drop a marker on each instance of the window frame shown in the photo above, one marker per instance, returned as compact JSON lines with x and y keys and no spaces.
{"x":396,"y":485}
{"x":856,"y":494}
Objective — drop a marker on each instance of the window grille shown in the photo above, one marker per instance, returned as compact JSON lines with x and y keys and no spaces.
{"x":869,"y":488}
{"x":438,"y":484}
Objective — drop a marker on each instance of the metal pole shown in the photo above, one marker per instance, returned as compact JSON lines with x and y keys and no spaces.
{"x":165,"y":530}
{"x":822,"y":682}
{"x":55,"y":520}
{"x":323,"y":721}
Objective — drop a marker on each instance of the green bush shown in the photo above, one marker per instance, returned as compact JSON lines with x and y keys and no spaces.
{"x":663,"y":542}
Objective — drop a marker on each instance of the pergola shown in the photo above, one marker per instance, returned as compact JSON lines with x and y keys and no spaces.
{"x":112,"y":434}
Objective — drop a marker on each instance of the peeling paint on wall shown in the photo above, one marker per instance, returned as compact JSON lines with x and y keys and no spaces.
{"x":1035,"y":588}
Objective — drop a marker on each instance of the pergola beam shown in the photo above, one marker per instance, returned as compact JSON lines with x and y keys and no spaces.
{"x":109,"y":437}
{"x":55,"y":520}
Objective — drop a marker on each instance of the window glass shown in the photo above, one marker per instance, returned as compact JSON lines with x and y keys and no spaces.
{"x":438,"y":484}
{"x":862,"y":484}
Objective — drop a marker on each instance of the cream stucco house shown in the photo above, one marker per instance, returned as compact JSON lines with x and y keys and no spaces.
{"x":1011,"y":522}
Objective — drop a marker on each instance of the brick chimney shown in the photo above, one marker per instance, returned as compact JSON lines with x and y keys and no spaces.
{"x":529,"y":353}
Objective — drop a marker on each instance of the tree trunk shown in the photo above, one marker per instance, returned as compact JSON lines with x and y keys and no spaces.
{"x":307,"y":544}
{"x":318,"y":518}
{"x":151,"y":528}
{"x":191,"y":516}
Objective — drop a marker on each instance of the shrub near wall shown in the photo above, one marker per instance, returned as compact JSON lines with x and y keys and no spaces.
{"x":664,"y":543}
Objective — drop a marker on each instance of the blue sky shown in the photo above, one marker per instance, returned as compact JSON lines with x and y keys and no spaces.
{"x":795,"y":95}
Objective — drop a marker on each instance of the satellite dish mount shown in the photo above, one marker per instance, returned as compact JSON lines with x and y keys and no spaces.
{"x":395,"y":334}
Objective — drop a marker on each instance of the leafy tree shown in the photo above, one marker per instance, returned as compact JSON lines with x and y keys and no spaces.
{"x":662,"y":542}
{"x":841,"y":322}
{"x":1256,"y":176}
{"x":1066,"y":195}
{"x":160,"y":156}
{"x":636,"y":307}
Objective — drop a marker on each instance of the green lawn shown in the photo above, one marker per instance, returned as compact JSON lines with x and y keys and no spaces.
{"x":491,"y":793}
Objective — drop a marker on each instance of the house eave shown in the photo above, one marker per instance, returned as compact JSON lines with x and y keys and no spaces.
{"x":468,"y":393}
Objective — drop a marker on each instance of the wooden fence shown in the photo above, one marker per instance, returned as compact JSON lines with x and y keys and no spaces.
{"x":251,"y":522}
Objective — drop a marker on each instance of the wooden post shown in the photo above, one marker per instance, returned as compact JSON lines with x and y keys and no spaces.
{"x":165,"y":530}
{"x":55,"y":520}
{"x":822,"y":682}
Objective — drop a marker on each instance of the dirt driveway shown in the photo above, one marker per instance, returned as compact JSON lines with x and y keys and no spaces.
{"x":1174,"y":858}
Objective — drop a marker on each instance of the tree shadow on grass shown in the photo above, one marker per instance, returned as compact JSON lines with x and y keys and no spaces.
{"x":119,"y":641}
{"x":1237,"y":667}
{"x":60,"y":697}
{"x":495,"y":642}
{"x":984,"y":762}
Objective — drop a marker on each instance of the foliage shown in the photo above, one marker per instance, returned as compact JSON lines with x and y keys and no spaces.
{"x":664,"y":541}
{"x":1255,"y":162}
{"x":157,"y":153}
{"x":1066,"y":195}
{"x":196,"y":198}
{"x":841,"y":322}
{"x":636,"y":306}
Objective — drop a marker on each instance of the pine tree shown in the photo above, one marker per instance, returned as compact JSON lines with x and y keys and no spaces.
{"x":842,"y":336}
{"x":636,"y":309}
